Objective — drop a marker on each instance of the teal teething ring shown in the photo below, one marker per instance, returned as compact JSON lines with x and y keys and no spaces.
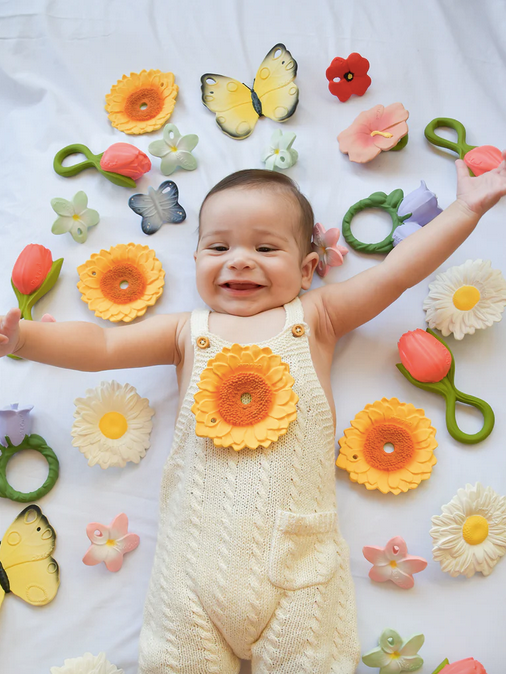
{"x":92,"y":161}
{"x":390,"y":204}
{"x":446,"y":388}
{"x":37,"y":443}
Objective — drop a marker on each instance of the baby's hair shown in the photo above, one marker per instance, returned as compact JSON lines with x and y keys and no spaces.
{"x":263,"y":178}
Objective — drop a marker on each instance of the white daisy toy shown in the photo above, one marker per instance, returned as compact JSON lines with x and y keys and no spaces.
{"x":87,"y":664}
{"x":112,"y":425}
{"x":466,"y":298}
{"x":470,"y":535}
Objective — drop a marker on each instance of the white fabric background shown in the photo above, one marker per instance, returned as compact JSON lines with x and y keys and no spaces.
{"x":57,"y":61}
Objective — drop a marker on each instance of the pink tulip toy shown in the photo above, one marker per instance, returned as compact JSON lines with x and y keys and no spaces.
{"x":121,"y":163}
{"x":428,"y":363}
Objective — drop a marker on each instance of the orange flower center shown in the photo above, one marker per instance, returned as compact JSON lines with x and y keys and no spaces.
{"x":123,"y":283}
{"x":244,"y":399}
{"x":374,"y":447}
{"x":144,"y":104}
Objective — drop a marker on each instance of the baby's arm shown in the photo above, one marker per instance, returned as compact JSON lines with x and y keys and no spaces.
{"x":89,"y":347}
{"x":345,"y":306}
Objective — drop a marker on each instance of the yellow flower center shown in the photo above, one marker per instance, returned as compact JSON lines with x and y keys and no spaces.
{"x":276,"y":151}
{"x":111,"y":543}
{"x":475,"y":530}
{"x":466,"y":297}
{"x":395,"y":656}
{"x":75,"y":217}
{"x":173,"y":148}
{"x":393,"y":564}
{"x":385,"y":134}
{"x":113,"y":425}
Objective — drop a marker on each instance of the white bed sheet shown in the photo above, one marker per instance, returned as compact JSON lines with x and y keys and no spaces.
{"x":57,"y":61}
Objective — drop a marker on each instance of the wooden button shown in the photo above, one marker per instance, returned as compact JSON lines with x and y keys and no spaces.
{"x":203,"y":342}
{"x":298,"y":330}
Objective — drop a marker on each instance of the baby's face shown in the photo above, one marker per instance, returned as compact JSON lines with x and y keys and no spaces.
{"x":248,"y":257}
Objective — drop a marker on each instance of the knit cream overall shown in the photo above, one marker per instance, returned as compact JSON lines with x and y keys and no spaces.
{"x":249,"y":561}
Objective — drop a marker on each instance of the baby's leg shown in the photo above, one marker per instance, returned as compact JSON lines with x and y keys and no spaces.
{"x":177,"y":636}
{"x":313,"y":630}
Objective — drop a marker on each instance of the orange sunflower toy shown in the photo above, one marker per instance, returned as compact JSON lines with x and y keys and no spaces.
{"x":120,"y":284}
{"x":390,"y":447}
{"x":245,"y":398}
{"x":142,"y":102}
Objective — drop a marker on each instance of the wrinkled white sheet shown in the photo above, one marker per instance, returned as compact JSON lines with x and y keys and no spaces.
{"x":57,"y":61}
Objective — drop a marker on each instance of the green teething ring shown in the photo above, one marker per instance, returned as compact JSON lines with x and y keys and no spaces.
{"x":37,"y":443}
{"x":92,"y":161}
{"x":390,"y":204}
{"x":446,"y":388}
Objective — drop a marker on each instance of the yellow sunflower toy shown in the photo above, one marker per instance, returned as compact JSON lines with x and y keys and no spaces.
{"x":142,"y":102}
{"x":245,"y":398}
{"x":121,"y":283}
{"x":390,"y":447}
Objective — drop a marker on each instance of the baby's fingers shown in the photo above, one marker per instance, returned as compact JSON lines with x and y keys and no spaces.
{"x":9,"y":324}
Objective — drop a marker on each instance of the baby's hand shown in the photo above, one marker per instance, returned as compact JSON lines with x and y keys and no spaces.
{"x":481,"y":193}
{"x":9,"y":331}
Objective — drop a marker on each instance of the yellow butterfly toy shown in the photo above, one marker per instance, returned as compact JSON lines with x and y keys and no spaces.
{"x":26,"y":566}
{"x":273,"y":94}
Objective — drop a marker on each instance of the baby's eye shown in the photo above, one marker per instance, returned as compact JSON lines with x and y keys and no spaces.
{"x":265,"y":249}
{"x":219,"y":249}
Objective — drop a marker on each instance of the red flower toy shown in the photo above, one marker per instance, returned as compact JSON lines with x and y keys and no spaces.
{"x":352,"y":74}
{"x":33,"y":275}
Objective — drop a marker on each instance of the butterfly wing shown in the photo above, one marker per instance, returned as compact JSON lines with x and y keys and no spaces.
{"x":274,"y":84}
{"x":232,"y":103}
{"x":35,"y":582}
{"x":25,"y":555}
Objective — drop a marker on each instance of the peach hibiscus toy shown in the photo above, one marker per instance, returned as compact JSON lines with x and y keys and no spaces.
{"x":375,"y":130}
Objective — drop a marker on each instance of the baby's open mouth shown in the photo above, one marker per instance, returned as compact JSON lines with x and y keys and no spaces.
{"x":241,"y":285}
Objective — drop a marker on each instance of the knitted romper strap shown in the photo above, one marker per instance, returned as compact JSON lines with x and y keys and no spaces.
{"x":200,"y":318}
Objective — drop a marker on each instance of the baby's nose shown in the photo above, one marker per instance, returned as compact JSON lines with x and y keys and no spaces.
{"x":241,"y":260}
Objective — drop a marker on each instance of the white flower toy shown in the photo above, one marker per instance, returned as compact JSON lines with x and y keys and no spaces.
{"x":175,"y":150}
{"x":466,"y":298}
{"x":74,"y":217}
{"x":112,"y":425}
{"x":470,"y":535}
{"x":394,"y":654}
{"x":279,"y":153}
{"x":87,"y":664}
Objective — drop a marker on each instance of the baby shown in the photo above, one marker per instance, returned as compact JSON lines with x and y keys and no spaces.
{"x":250,"y":563}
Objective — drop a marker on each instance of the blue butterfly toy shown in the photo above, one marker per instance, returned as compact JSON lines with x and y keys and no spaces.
{"x":158,"y":207}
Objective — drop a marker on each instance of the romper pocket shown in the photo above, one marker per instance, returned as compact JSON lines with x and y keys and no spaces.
{"x":303,"y":550}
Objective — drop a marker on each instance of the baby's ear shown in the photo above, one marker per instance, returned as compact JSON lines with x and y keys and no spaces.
{"x":308,"y":267}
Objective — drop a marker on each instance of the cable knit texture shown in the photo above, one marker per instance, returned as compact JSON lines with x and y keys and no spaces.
{"x":249,"y":561}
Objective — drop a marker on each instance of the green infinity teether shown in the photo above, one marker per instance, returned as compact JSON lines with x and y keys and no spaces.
{"x":460,"y":147}
{"x":390,"y":204}
{"x":37,"y":443}
{"x":428,"y":363}
{"x":478,"y":158}
{"x":92,"y":161}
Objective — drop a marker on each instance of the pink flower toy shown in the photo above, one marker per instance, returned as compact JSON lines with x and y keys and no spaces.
{"x":375,"y":130}
{"x":325,"y":244}
{"x":428,"y":363}
{"x":121,"y":163}
{"x":110,"y":543}
{"x":393,"y":563}
{"x":467,"y":666}
{"x":478,"y":159}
